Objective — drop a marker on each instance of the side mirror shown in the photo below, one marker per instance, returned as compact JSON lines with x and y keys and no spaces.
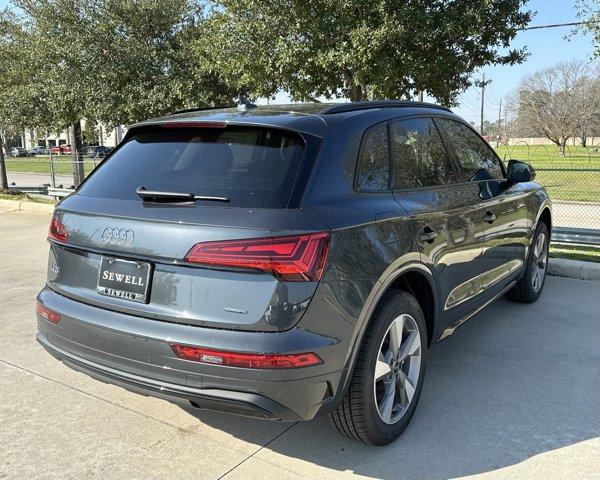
{"x":520,"y":172}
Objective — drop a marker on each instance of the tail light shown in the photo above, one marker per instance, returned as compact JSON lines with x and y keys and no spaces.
{"x":292,"y":258}
{"x":46,"y":313}
{"x":245,"y":360}
{"x":57,"y":231}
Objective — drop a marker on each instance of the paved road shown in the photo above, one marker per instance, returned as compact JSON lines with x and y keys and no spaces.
{"x":36,"y":179}
{"x":513,"y":394}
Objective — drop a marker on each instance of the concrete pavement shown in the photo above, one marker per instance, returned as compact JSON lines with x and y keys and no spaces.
{"x":576,"y":214}
{"x":514,"y":393}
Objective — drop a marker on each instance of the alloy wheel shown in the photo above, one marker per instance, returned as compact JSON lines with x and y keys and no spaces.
{"x":397,"y":369}
{"x":540,"y":260}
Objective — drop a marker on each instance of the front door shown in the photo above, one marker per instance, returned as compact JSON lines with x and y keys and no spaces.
{"x":503,"y":210}
{"x":446,"y":215}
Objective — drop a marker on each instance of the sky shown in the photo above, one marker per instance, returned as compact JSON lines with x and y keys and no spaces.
{"x":546,"y":48}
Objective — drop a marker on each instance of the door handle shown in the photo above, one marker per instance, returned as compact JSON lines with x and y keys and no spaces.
{"x":428,"y":235}
{"x":489,"y":217}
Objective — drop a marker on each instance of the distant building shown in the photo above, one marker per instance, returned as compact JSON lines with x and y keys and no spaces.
{"x":35,"y":138}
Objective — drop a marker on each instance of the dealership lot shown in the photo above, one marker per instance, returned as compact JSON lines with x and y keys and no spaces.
{"x":515,"y":393}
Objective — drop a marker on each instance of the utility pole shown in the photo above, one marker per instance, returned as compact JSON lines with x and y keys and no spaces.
{"x":482,"y":84}
{"x":482,"y":102}
{"x":505,"y":134}
{"x":499,"y":124}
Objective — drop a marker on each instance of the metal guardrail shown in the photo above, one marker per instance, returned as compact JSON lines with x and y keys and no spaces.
{"x":580,"y":236}
{"x":47,"y":190}
{"x":36,"y":190}
{"x":59,"y":192}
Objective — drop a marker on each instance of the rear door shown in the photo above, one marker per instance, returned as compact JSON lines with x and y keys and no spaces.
{"x":445,"y":213}
{"x":505,"y":215}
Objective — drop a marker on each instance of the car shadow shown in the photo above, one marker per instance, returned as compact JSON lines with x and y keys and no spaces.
{"x":514,"y":382}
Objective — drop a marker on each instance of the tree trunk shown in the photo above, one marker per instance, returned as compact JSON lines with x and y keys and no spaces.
{"x":77,"y":159}
{"x":562,"y":147}
{"x":356,"y":93}
{"x":583,"y":140}
{"x":3,"y":178}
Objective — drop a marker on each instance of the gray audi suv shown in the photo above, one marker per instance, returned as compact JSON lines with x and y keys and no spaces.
{"x":282,"y":261}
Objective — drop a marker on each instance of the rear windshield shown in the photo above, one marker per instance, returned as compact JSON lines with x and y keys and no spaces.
{"x":254,"y":167}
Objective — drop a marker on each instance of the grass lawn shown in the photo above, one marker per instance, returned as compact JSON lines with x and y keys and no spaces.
{"x":41,"y":164}
{"x":582,"y":186}
{"x":572,"y":252}
{"x":22,"y":196}
{"x":571,"y":186}
{"x":548,"y":155}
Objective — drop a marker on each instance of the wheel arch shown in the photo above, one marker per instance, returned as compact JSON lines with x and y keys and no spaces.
{"x":545,"y":215}
{"x":413,"y":277}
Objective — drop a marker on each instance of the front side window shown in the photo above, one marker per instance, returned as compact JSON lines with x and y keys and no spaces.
{"x":418,"y":155}
{"x":373,"y":166}
{"x":476,"y":159}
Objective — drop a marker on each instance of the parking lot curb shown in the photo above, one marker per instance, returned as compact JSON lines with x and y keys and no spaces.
{"x":27,"y":206}
{"x":562,"y":267}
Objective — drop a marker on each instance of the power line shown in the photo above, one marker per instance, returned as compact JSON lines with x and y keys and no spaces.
{"x":469,"y":105}
{"x":558,"y":25}
{"x":474,"y":111}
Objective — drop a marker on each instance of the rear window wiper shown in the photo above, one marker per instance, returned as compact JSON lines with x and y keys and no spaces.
{"x":158,"y":195}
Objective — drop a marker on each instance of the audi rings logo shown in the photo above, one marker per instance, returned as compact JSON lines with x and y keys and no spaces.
{"x":117,"y":236}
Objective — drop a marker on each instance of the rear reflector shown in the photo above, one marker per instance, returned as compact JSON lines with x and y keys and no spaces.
{"x":245,"y":360}
{"x":46,"y":313}
{"x":57,"y":231}
{"x":292,"y":258}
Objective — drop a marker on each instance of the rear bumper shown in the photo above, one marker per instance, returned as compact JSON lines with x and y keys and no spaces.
{"x":134,"y":353}
{"x":247,"y":404}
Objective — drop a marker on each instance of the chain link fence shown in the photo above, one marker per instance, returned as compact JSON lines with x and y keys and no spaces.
{"x":575,"y":193}
{"x":57,"y":170}
{"x":572,"y":179}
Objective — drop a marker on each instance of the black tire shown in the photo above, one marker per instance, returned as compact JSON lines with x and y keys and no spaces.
{"x":524,"y":291}
{"x":356,"y":416}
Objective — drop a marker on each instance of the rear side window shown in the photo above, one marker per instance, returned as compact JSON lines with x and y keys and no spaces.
{"x":476,"y":159}
{"x":373,"y":166}
{"x":254,"y":167}
{"x":418,"y":155}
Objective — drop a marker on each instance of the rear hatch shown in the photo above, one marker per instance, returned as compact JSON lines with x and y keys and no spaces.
{"x":241,"y":255}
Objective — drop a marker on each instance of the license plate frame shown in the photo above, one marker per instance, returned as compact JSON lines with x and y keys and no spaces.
{"x":124,"y":279}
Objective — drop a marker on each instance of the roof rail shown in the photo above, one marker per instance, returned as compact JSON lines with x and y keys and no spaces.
{"x":199,"y":109}
{"x":353,"y":106}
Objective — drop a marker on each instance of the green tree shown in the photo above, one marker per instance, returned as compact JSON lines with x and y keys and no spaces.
{"x":114,"y":61}
{"x":121,"y":61}
{"x":360,"y":49}
{"x":589,"y":12}
{"x":17,"y":96}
